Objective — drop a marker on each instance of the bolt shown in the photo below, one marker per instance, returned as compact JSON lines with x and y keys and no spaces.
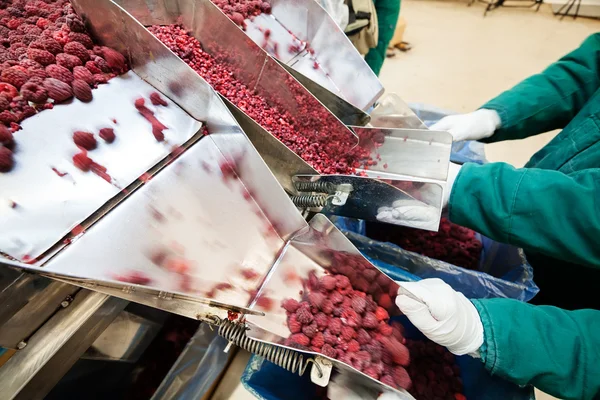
{"x":64,"y":304}
{"x":21,"y":345}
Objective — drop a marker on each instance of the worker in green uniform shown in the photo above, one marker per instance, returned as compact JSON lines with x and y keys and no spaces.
{"x":387,"y":18}
{"x":550,"y":208}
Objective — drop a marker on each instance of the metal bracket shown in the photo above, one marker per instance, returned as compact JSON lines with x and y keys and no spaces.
{"x":320,"y":376}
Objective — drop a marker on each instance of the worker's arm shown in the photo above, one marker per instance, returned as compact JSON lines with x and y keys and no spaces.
{"x":549,"y":100}
{"x":555,"y":350}
{"x":387,"y":18}
{"x":541,"y":210}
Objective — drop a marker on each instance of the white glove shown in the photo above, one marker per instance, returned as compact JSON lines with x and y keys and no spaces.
{"x":415,"y":212}
{"x":444,"y":315}
{"x":477,"y":125}
{"x":453,"y":170}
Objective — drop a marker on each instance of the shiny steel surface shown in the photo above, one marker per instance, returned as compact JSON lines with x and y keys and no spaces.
{"x":392,"y":112}
{"x":87,"y":309}
{"x":311,"y":250}
{"x":51,"y":205}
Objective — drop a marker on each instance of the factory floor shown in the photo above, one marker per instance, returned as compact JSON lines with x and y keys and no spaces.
{"x":459,"y":60}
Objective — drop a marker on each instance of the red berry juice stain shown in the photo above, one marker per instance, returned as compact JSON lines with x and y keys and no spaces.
{"x":57,"y":172}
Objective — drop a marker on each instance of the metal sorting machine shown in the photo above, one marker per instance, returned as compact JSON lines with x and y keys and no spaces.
{"x":174,"y":225}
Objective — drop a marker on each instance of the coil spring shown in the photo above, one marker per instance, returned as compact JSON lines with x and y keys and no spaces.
{"x":310,"y":200}
{"x":285,"y":358}
{"x":317,"y":186}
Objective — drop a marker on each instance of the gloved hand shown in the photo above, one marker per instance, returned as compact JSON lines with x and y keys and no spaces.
{"x":453,"y":170}
{"x":477,"y":125}
{"x":444,"y":315}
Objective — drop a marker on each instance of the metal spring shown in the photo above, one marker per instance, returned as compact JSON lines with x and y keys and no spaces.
{"x":283,"y":357}
{"x":316,"y":186}
{"x":310,"y":200}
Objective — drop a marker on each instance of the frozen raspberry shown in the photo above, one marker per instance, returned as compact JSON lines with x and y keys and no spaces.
{"x":361,"y":284}
{"x":14,"y":23}
{"x":393,"y":289}
{"x":336,"y":298}
{"x":372,"y":372}
{"x":42,"y":23}
{"x":370,"y":274}
{"x":385,"y":301}
{"x":402,"y":378}
{"x":92,"y":67}
{"x":30,"y":64}
{"x":329,"y":337}
{"x":328,"y":350}
{"x":310,"y":330}
{"x":81,"y":38}
{"x":363,"y":337}
{"x":114,"y":59}
{"x":313,"y":281}
{"x":82,"y":161}
{"x":351,"y":318}
{"x":322,"y":320}
{"x":85,"y":140}
{"x":347,"y":333}
{"x":327,"y":307}
{"x":58,"y":90}
{"x":237,"y":18}
{"x":293,"y":324}
{"x":388,"y":380}
{"x":316,"y":299}
{"x":459,"y":396}
{"x":335,"y":326}
{"x":328,"y":282}
{"x":6,"y":117}
{"x":84,"y":74}
{"x":289,"y":305}
{"x":44,"y":57}
{"x":300,"y":338}
{"x":102,"y":64}
{"x":51,"y":46}
{"x":318,"y":340}
{"x":374,"y":349}
{"x":78,"y":50}
{"x":304,"y":315}
{"x":353,"y":346}
{"x":385,"y":329}
{"x":342,"y":281}
{"x":381,"y":314}
{"x":398,"y":351}
{"x":34,"y":93}
{"x":14,"y":76}
{"x":157,"y":100}
{"x":107,"y":134}
{"x":100,"y":78}
{"x":359,"y":304}
{"x":371,"y":304}
{"x":68,"y":61}
{"x":6,"y":159}
{"x":4,"y":103}
{"x":398,"y":330}
{"x":370,"y":321}
{"x":82,"y":90}
{"x":38,"y":73}
{"x":60,"y":73}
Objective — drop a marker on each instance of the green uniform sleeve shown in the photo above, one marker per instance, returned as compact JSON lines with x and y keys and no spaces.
{"x":549,"y":100}
{"x":387,"y":18}
{"x":541,"y":210}
{"x":555,"y":350}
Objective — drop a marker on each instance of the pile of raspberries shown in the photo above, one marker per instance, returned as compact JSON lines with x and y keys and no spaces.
{"x":46,"y":57}
{"x":453,"y":243}
{"x":317,"y":137}
{"x":240,"y":10}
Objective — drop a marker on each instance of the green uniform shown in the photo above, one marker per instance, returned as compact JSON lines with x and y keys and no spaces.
{"x":551,"y":208}
{"x":387,"y":18}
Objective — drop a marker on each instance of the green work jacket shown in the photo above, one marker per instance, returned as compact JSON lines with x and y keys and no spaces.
{"x":387,"y":19}
{"x":550,"y":207}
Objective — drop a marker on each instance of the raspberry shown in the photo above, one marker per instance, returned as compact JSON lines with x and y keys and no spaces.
{"x":402,"y":378}
{"x":92,"y":67}
{"x":293,"y":324}
{"x":81,"y":38}
{"x":114,"y":59}
{"x":342,"y":281}
{"x":38,"y":73}
{"x":29,"y":29}
{"x":327,"y":306}
{"x":57,"y":90}
{"x":78,"y":50}
{"x":82,"y":161}
{"x":60,"y":73}
{"x":393,"y":289}
{"x":372,"y":372}
{"x":34,"y":93}
{"x":157,"y":100}
{"x":30,"y":64}
{"x":75,"y":24}
{"x":397,"y":350}
{"x":313,"y":281}
{"x":14,"y":23}
{"x":359,"y":304}
{"x":383,"y":281}
{"x":361,"y":284}
{"x":322,"y":320}
{"x":68,"y":61}
{"x":371,"y":305}
{"x":6,"y":159}
{"x":374,"y":349}
{"x":354,"y":347}
{"x":316,"y":299}
{"x":335,"y":326}
{"x":6,"y":117}
{"x":102,"y":64}
{"x":398,"y":330}
{"x":290,"y":305}
{"x":351,"y":318}
{"x":318,"y":340}
{"x":381,"y":314}
{"x":14,"y":76}
{"x":385,"y":329}
{"x":82,"y":90}
{"x":459,"y":396}
{"x":100,"y":78}
{"x":44,"y":57}
{"x":304,"y":316}
{"x":388,"y":380}
{"x":4,"y":103}
{"x":363,"y":337}
{"x":6,"y":137}
{"x":310,"y":330}
{"x":85,"y":140}
{"x":328,"y":350}
{"x":370,"y":321}
{"x":83,"y":73}
{"x":347,"y":333}
{"x":385,"y":301}
{"x":336,"y":298}
{"x":330,"y":338}
{"x":51,"y":46}
{"x":42,"y":23}
{"x":370,"y":274}
{"x":300,"y":338}
{"x":328,"y":282}
{"x":237,"y":18}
